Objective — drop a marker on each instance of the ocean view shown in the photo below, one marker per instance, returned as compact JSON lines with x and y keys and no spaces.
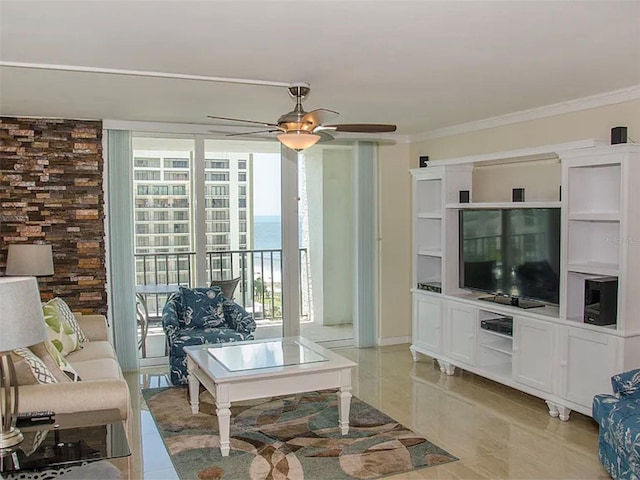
{"x":267,"y":232}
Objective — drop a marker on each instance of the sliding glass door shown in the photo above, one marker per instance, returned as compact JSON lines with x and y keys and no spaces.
{"x":286,"y":226}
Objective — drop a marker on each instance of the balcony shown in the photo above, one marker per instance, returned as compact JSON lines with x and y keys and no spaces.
{"x":259,"y":290}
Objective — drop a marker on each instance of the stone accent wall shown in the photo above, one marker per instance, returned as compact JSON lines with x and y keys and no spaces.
{"x":51,"y":174}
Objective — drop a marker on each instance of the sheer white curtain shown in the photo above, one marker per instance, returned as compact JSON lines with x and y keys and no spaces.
{"x":366,"y":239}
{"x":119,"y":246}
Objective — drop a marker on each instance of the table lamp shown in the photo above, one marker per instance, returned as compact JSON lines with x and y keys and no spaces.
{"x":31,"y":260}
{"x":22,"y":325}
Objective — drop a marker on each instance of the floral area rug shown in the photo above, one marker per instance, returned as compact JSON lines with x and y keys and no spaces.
{"x":293,"y":437}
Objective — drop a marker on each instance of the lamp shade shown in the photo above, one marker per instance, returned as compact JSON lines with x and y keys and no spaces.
{"x":31,"y":260}
{"x":21,"y":319}
{"x":299,"y":140}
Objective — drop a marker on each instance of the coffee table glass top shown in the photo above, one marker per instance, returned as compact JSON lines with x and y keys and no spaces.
{"x":273,"y":353}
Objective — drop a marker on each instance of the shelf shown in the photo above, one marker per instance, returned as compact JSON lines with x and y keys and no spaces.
{"x":498,"y":205}
{"x":496,"y":334}
{"x":430,"y":215}
{"x":608,"y":269}
{"x":595,"y":217}
{"x":497,"y":348}
{"x":429,"y":252}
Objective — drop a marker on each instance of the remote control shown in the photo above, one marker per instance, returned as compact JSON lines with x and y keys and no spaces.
{"x":36,"y":416}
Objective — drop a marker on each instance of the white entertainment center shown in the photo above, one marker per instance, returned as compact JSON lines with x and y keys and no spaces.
{"x":552,"y":353}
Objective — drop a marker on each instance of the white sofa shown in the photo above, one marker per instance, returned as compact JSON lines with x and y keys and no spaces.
{"x":102,"y":384}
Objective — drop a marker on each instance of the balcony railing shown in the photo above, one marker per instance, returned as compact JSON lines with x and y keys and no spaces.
{"x":259,"y":290}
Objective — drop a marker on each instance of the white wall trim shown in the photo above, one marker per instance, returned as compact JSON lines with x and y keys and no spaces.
{"x":383,"y":342}
{"x":569,"y":106}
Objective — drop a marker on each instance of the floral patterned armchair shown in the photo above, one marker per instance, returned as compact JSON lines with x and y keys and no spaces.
{"x":195,"y":316}
{"x":618,"y":417}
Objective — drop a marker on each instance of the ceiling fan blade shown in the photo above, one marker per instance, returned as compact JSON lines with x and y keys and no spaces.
{"x":319,"y":116}
{"x":361,"y":127}
{"x":250,"y":133}
{"x":264,"y":124}
{"x":324,"y":137}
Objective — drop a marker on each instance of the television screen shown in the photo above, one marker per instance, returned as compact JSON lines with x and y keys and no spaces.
{"x":514,"y":252}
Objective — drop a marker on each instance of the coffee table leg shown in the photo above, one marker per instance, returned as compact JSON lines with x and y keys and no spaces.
{"x":344,"y":404}
{"x":224,"y":418}
{"x":194,"y":388}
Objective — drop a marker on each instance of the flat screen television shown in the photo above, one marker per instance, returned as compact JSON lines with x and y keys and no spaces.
{"x":512,"y":252}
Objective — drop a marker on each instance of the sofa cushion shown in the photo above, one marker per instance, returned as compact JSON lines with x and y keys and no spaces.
{"x":99,"y":369}
{"x":70,"y":318}
{"x":627,"y":384}
{"x":202,"y":307}
{"x":92,"y":351}
{"x":59,"y":329}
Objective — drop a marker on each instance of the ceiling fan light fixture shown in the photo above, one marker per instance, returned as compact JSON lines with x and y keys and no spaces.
{"x":299,"y":140}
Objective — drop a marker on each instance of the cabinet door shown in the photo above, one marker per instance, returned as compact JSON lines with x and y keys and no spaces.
{"x":587,"y":361}
{"x":533,"y":353}
{"x":427,"y":317}
{"x":460,"y":328}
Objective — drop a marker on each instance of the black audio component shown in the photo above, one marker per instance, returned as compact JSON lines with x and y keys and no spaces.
{"x":618,"y":135}
{"x":503,"y":325}
{"x":601,"y":300}
{"x":517,"y":194}
{"x":423,"y":161}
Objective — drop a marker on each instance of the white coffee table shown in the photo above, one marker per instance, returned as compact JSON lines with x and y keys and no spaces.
{"x":237,"y":371}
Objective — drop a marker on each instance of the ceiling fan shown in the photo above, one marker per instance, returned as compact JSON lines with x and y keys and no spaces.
{"x":299,"y":129}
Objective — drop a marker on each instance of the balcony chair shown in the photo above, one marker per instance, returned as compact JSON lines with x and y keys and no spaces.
{"x":618,"y":417}
{"x":228,"y":286}
{"x":196,"y":316}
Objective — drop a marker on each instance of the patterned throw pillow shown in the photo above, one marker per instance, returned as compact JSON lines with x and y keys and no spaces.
{"x":203,"y":307}
{"x":63,"y":363}
{"x":59,"y":330}
{"x":39,"y":370}
{"x":71,"y":319}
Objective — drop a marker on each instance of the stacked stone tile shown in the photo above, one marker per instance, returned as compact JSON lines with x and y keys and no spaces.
{"x":51,"y":174}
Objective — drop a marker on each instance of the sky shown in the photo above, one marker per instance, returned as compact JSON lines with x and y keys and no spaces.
{"x":266,"y":184}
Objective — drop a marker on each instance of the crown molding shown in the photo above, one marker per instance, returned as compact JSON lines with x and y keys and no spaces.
{"x":569,"y":106}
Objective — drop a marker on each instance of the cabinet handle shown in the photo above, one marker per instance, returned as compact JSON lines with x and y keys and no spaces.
{"x":563,"y":363}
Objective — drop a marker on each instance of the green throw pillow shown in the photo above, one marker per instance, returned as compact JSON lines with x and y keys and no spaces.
{"x":71,"y":319}
{"x":59,"y":330}
{"x":63,"y":363}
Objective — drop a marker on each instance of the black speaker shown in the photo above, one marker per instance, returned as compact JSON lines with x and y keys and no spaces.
{"x":464,"y":196}
{"x":423,"y":161}
{"x":601,"y":300}
{"x":517,"y":194}
{"x":618,"y":135}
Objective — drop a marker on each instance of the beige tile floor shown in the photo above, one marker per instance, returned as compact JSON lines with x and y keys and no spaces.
{"x":496,"y":432}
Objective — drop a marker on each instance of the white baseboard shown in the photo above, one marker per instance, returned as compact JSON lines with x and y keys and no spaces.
{"x":382,"y":342}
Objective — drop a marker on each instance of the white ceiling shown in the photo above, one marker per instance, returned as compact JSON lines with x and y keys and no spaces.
{"x":422,"y":65}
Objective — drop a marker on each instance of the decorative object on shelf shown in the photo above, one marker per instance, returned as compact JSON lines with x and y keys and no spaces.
{"x":464,"y":196}
{"x":618,"y":135}
{"x":424,"y":160}
{"x":435,"y":287}
{"x":30,"y":260}
{"x":517,"y":194}
{"x":22,"y":325}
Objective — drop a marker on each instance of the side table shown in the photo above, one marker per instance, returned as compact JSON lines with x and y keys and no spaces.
{"x":49,"y":450}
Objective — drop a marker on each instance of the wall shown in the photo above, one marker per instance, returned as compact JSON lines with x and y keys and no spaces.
{"x":491,"y":183}
{"x":51,"y":192}
{"x":394,"y":249}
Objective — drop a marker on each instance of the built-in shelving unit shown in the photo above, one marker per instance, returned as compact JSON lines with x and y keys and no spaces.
{"x":552,"y":353}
